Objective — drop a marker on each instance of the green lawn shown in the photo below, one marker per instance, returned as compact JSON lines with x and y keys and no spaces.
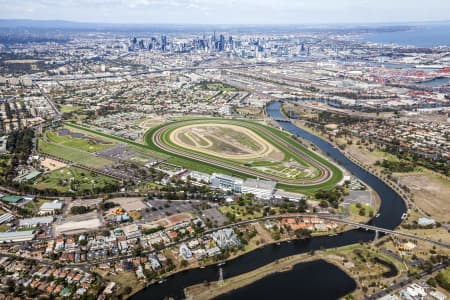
{"x":240,"y":212}
{"x":443,"y":279}
{"x":210,"y":168}
{"x":87,"y":144}
{"x":289,"y":155}
{"x":355,"y":210}
{"x":72,"y":154}
{"x":385,"y":155}
{"x":135,"y":146}
{"x":69,"y":108}
{"x":219,"y":87}
{"x":4,"y":227}
{"x":63,"y":180}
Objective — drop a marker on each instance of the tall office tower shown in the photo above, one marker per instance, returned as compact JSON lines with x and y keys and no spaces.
{"x":141,"y":44}
{"x":230,"y":42}
{"x":212,"y":42}
{"x":133,"y":43}
{"x":303,"y":47}
{"x":221,"y":43}
{"x":163,"y":43}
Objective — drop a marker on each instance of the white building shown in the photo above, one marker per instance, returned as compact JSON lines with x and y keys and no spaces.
{"x":225,"y":182}
{"x":426,"y":222}
{"x":293,"y":197}
{"x":438,"y":295}
{"x":5,"y":218}
{"x":3,"y":140}
{"x":185,"y":252}
{"x":226,"y":238}
{"x":199,"y":176}
{"x":50,"y":207}
{"x":31,"y":222}
{"x":131,"y":231}
{"x":389,"y":297}
{"x":16,"y":236}
{"x":414,"y":291}
{"x":154,"y":262}
{"x":262,"y":189}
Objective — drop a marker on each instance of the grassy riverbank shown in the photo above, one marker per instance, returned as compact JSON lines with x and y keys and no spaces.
{"x":214,"y":289}
{"x":211,"y":290}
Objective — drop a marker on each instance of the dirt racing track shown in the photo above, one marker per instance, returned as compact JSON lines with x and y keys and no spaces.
{"x":264,"y":148}
{"x":167,"y":138}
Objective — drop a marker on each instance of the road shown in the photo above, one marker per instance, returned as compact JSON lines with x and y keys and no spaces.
{"x":235,"y":66}
{"x":325,"y":217}
{"x":399,"y":285}
{"x":50,"y":102}
{"x":387,"y":231}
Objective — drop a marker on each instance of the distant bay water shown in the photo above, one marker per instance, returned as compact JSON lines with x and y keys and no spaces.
{"x":425,"y":36}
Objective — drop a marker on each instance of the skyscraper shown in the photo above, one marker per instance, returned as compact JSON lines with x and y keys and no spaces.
{"x":221,"y":45}
{"x":163,"y":42}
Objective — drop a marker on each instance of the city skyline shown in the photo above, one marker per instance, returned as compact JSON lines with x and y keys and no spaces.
{"x":232,"y":12}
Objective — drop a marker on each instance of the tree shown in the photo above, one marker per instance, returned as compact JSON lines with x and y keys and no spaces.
{"x":362,"y":211}
{"x":78,"y":210}
{"x":183,"y":263}
{"x":302,"y":233}
{"x":127,"y":290}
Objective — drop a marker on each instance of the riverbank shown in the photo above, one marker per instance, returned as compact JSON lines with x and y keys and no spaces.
{"x":368,"y":168}
{"x":348,"y":259}
{"x":210,"y":290}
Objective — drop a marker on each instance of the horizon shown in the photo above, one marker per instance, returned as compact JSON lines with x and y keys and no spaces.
{"x":212,"y":12}
{"x":11,"y":22}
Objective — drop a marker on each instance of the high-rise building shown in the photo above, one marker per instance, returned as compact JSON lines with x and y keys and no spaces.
{"x":141,"y":44}
{"x":221,"y":45}
{"x":163,"y":43}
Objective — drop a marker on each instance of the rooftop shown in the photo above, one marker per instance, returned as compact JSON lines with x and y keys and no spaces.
{"x":259,"y":184}
{"x":51,"y":205}
{"x":35,"y":221}
{"x":12,"y":199}
{"x":16,"y":236}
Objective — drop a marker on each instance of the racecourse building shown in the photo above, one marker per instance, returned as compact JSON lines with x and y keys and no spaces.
{"x":262,"y":189}
{"x":225,"y":182}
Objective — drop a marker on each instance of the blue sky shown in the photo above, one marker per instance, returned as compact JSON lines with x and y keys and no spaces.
{"x":228,"y":11}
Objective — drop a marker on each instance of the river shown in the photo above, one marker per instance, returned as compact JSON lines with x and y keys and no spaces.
{"x":436,"y":82}
{"x":391,"y":209}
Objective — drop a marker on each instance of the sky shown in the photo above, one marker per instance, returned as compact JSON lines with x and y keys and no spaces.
{"x":228,"y":11}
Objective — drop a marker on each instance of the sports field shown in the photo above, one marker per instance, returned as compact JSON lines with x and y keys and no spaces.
{"x":298,"y":169}
{"x":244,"y":149}
{"x":72,"y":154}
{"x":72,"y":179}
{"x":78,"y":140}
